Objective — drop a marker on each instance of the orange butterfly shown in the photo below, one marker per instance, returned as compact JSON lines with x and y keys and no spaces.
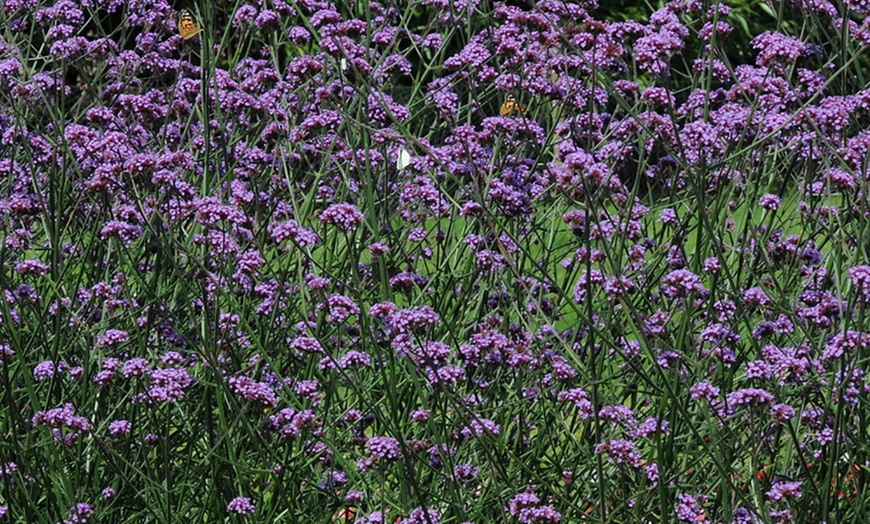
{"x":511,"y":107}
{"x":187,"y":27}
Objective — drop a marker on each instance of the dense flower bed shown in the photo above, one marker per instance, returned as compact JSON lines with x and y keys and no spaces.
{"x":432,"y":262}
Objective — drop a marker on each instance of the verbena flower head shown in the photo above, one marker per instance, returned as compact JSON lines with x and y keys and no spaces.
{"x":241,"y":506}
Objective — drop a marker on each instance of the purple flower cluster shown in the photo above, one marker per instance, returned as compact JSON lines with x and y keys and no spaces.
{"x":241,"y":505}
{"x":80,"y":514}
{"x":526,"y":507}
{"x":65,"y":424}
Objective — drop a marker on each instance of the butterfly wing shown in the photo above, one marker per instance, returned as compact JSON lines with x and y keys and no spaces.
{"x":511,"y":107}
{"x":508,"y":106}
{"x":187,"y":27}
